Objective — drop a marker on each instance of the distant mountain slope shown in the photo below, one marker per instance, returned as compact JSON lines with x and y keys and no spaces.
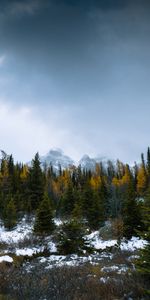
{"x":56,"y":157}
{"x":89,"y":163}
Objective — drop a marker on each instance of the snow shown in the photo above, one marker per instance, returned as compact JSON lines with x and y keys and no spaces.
{"x":21,"y":231}
{"x":119,"y":269}
{"x":62,"y":260}
{"x":69,"y":260}
{"x":104,"y":279}
{"x":130,"y":245}
{"x":52,"y":247}
{"x":6,"y":258}
{"x":58,"y":222}
{"x":27,"y":251}
{"x":30,"y":251}
{"x":95,"y":241}
{"x":133,"y":244}
{"x":24,"y":230}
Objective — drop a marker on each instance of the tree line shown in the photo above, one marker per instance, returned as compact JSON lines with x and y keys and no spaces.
{"x":112,"y":191}
{"x":115,"y":191}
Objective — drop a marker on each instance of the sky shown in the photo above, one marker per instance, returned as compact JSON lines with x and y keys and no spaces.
{"x":75,"y":75}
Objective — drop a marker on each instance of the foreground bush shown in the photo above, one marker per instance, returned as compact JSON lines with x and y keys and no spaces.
{"x":68,"y":283}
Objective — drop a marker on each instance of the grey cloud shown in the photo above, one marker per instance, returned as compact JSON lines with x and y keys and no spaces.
{"x":17,"y":8}
{"x":29,"y":7}
{"x":88,"y":59}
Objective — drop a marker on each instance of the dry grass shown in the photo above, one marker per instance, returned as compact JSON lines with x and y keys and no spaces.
{"x":67,"y":283}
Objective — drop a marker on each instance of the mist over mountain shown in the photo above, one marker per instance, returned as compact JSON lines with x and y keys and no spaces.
{"x":56,"y":158}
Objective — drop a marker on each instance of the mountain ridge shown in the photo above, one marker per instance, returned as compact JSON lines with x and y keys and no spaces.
{"x":56,"y":157}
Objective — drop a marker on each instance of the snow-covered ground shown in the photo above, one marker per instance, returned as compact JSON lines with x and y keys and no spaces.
{"x":95,"y":241}
{"x":6,"y":258}
{"x":24,"y":230}
{"x":126,"y":245}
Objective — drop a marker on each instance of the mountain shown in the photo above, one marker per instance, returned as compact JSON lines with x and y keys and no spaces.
{"x":89,"y":163}
{"x":56,"y":157}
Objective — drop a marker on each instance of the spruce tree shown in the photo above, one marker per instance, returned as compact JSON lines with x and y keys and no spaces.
{"x":44,"y":224}
{"x":36,"y":183}
{"x":131,"y":211}
{"x":148,"y":164}
{"x":71,"y":237}
{"x":143,"y":263}
{"x":68,"y":200}
{"x":93,"y":206}
{"x":10,"y":216}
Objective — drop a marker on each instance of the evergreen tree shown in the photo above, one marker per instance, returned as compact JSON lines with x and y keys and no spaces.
{"x":143,"y":263}
{"x":92,"y":206}
{"x":68,"y":200}
{"x":77,"y":211}
{"x":36,"y":183}
{"x":148,"y":164}
{"x":110,"y":171}
{"x":131,"y":211}
{"x":44,"y":218}
{"x":10,"y":216}
{"x":71,"y":237}
{"x":96,"y":215}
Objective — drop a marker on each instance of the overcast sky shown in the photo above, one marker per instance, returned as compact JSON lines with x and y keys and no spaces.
{"x":75,"y":75}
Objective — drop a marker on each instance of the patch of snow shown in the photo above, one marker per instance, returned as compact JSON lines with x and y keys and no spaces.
{"x":52,"y":247}
{"x":27,"y":251}
{"x":132,"y":257}
{"x":58,"y":222}
{"x":69,"y":260}
{"x":98,"y":243}
{"x":21,"y":231}
{"x":119,"y":269}
{"x":122,"y":269}
{"x":104,"y":279}
{"x":6,"y":258}
{"x":133,"y":244}
{"x":56,"y":257}
{"x":95,"y":241}
{"x":110,"y":269}
{"x":106,"y":255}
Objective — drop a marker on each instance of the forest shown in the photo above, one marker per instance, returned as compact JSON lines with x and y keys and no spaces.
{"x":82,"y":198}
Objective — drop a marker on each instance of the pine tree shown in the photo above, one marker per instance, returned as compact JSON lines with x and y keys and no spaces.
{"x":10,"y":216}
{"x":44,"y":218}
{"x":68,"y":200}
{"x":143,"y":263}
{"x":148,"y":164}
{"x":131,"y":211}
{"x":36,"y":183}
{"x":93,"y":206}
{"x":71,"y":237}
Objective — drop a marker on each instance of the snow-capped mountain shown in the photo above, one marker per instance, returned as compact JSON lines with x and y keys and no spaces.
{"x":89,"y":163}
{"x":56,"y":157}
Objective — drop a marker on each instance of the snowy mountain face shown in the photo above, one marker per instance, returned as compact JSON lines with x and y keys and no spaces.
{"x":56,"y":158}
{"x":89,"y":163}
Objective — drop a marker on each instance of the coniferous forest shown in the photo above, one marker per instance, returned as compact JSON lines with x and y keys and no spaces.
{"x":82,"y":199}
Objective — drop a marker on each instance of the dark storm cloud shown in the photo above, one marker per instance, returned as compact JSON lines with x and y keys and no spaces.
{"x":88,"y":59}
{"x":73,"y":43}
